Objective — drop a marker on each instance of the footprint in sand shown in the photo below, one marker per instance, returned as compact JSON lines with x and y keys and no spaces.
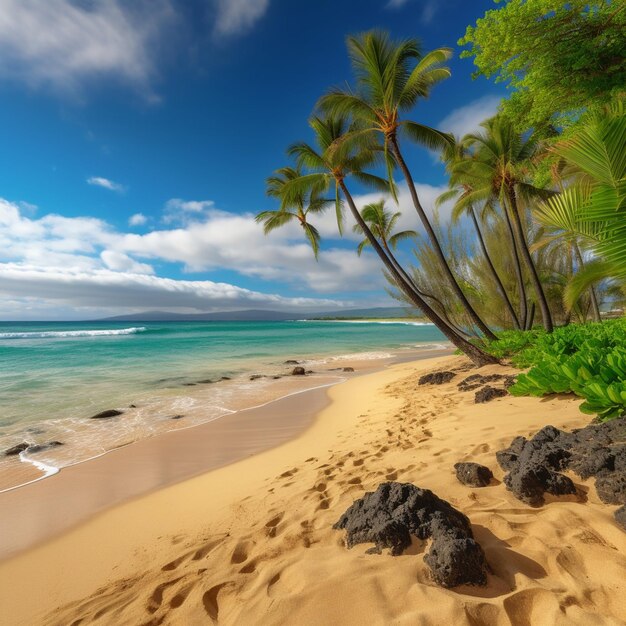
{"x":240,"y":553}
{"x":209,"y":601}
{"x":272,"y":524}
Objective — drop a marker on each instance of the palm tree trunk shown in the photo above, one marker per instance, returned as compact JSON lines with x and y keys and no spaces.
{"x":475,"y":354}
{"x":534,"y":276}
{"x":436,"y":245}
{"x":422,"y":294}
{"x":493,"y":271}
{"x":519,"y":275}
{"x":531,"y":317}
{"x":595,"y":309}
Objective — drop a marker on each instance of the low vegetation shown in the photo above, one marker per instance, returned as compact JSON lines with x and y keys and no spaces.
{"x":587,"y":360}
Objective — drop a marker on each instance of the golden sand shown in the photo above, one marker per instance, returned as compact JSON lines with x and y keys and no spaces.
{"x":252,"y":543}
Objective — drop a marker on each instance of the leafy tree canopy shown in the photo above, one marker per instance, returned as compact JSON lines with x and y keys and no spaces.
{"x":558,"y":57}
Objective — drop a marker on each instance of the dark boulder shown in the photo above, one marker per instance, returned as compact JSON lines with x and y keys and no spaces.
{"x":474,"y":381}
{"x":106,"y":414}
{"x":42,"y":447}
{"x":177,"y":417}
{"x":436,"y":378}
{"x":20,"y":447}
{"x":291,"y":362}
{"x":389,"y":516}
{"x":473,"y":474}
{"x":348,"y":369}
{"x":599,"y":450}
{"x":620,"y":516}
{"x":206,"y":381}
{"x":298,"y":371}
{"x":225,"y":378}
{"x":257,"y":376}
{"x":488,"y":393}
{"x":611,"y":487}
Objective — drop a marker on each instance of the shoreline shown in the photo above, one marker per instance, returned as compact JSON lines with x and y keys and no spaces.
{"x":143,"y":466}
{"x":252,"y":542}
{"x":153,"y":416}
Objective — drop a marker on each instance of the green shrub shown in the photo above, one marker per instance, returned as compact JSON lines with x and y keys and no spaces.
{"x":588,"y":360}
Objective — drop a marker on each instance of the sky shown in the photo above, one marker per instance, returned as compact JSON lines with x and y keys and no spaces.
{"x":136,"y":139}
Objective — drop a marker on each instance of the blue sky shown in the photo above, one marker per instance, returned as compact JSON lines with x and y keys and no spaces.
{"x":136,"y":140}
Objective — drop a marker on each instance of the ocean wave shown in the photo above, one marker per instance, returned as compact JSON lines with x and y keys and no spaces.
{"x":44,"y":334}
{"x":401,"y":322}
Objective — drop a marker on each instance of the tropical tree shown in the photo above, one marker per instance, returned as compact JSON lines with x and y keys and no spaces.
{"x":342,"y":152}
{"x":296,"y":209}
{"x":382,"y":223}
{"x":464,"y":204}
{"x":391,"y":78}
{"x":499,"y":172}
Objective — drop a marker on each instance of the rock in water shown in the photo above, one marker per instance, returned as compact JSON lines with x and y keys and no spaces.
{"x":488,"y":393}
{"x":20,"y":447}
{"x":41,"y":447}
{"x":298,"y":371}
{"x":473,"y":474}
{"x":106,"y":414}
{"x":436,"y":378}
{"x":389,"y":516}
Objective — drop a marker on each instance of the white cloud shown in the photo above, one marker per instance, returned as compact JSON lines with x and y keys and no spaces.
{"x":138,"y":219}
{"x":99,"y":181}
{"x":182,"y":211}
{"x":467,"y":119}
{"x":106,"y":289}
{"x":237,"y":16}
{"x":60,"y":43}
{"x":120,"y":262}
{"x":67,"y":259}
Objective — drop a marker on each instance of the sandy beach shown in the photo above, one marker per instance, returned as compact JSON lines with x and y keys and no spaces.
{"x":252,"y":542}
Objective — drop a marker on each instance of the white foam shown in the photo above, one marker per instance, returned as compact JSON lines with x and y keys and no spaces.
{"x":73,"y":333}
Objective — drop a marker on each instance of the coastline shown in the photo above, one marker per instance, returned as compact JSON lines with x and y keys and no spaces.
{"x":34,"y":512}
{"x":252,"y":542}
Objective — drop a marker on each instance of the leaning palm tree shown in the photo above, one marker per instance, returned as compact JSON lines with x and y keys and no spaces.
{"x":297,"y":209}
{"x":342,"y":153}
{"x":461,"y":193}
{"x":391,"y":78}
{"x":382,"y":224}
{"x":498,"y":172}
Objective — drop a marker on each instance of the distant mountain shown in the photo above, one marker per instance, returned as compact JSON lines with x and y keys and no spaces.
{"x":252,"y":315}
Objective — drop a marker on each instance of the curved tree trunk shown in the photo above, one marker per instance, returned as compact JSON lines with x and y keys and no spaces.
{"x":413,"y":284}
{"x":476,"y":355}
{"x":595,"y":309}
{"x":519,"y":274}
{"x":437,"y":246}
{"x":493,"y":271}
{"x":534,"y":276}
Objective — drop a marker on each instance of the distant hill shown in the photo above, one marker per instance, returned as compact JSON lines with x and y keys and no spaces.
{"x":252,"y":315}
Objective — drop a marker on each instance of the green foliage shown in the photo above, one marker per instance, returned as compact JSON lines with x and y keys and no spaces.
{"x":558,"y":57}
{"x":587,"y":360}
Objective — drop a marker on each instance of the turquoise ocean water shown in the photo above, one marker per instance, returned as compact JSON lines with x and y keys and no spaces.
{"x":53,"y":376}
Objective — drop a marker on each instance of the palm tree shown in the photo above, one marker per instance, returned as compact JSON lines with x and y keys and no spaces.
{"x":297,"y":209}
{"x":382,"y":223}
{"x":559,"y":216}
{"x":464,"y":205}
{"x":391,"y":78}
{"x":498,"y":172}
{"x":341,"y":153}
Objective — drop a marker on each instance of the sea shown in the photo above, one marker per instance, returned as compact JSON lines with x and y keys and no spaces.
{"x":166,"y":375}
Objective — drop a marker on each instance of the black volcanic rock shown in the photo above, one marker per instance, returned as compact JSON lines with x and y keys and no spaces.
{"x":14,"y":450}
{"x":106,"y":414}
{"x":489,"y":393}
{"x":389,"y":516}
{"x":534,"y":465}
{"x":475,"y":381}
{"x":42,"y":447}
{"x":473,"y":474}
{"x":436,"y":378}
{"x":298,"y":371}
{"x":620,"y":516}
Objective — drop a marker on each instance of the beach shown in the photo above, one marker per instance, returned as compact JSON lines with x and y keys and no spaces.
{"x":252,"y":542}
